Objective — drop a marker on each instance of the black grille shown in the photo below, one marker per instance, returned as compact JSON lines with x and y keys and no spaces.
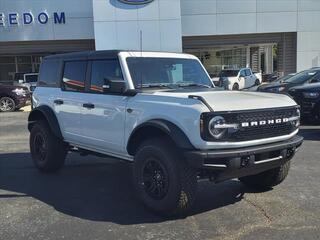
{"x":264,"y":131}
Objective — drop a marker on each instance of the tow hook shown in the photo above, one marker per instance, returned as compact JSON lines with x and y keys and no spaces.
{"x":245,"y":161}
{"x":291,"y":152}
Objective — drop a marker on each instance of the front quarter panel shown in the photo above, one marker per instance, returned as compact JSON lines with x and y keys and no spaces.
{"x":184,"y":113}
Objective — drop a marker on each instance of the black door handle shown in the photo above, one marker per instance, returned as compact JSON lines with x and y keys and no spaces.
{"x":88,"y":105}
{"x":58,"y":101}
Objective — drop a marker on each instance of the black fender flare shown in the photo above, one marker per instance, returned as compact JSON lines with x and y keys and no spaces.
{"x":167,"y":128}
{"x":45,"y":113}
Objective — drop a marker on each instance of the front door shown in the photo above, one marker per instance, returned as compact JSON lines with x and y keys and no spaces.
{"x":104,"y":114}
{"x":242,"y":79}
{"x":250,"y":79}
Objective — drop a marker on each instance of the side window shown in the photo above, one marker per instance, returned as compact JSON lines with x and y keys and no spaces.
{"x":316,"y":78}
{"x":242,"y":73}
{"x":74,"y":76}
{"x":103,"y":71}
{"x":49,"y":73}
{"x":248,"y":72}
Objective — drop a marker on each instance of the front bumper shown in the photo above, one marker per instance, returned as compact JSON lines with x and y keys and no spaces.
{"x":235,"y":163}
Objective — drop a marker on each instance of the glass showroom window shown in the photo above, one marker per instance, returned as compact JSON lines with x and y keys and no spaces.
{"x":7,"y":69}
{"x":216,"y":60}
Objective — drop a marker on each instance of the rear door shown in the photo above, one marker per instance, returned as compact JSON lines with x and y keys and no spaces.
{"x":104,"y":113}
{"x":69,"y":105}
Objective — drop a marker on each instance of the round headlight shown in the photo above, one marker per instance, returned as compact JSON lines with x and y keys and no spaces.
{"x":216,"y":129}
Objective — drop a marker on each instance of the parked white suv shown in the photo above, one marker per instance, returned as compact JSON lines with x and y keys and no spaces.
{"x":238,"y":79}
{"x":161,"y":112}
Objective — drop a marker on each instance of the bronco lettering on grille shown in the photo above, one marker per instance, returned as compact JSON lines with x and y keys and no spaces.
{"x":265,"y":122}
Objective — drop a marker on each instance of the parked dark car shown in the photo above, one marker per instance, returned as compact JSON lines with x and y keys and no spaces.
{"x":308,"y":97}
{"x":304,"y":77}
{"x":13,"y":98}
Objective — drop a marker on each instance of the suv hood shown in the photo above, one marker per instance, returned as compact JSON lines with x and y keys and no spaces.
{"x":235,"y":100}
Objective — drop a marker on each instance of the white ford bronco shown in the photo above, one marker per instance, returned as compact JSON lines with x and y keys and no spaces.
{"x":161,"y":112}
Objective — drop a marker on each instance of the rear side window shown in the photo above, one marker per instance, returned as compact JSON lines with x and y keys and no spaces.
{"x":49,"y":73}
{"x":74,"y":76}
{"x":103,"y":71}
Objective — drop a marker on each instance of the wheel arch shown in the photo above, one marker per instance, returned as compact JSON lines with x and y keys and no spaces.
{"x":45,"y":113}
{"x":9,"y":96}
{"x":158,"y":127}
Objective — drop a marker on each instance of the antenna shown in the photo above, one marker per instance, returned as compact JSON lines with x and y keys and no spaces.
{"x":141,"y":43}
{"x":141,"y":49}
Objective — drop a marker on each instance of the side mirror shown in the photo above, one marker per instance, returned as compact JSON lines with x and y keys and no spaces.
{"x":20,"y":81}
{"x":114,"y":86}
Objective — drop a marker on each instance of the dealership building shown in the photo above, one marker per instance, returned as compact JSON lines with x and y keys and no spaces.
{"x":269,"y":36}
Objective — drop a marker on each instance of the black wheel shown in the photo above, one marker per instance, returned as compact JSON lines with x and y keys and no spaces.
{"x":7,"y":104}
{"x":235,"y":87}
{"x":257,"y":82}
{"x":267,"y":179}
{"x":164,"y":182}
{"x":48,"y":152}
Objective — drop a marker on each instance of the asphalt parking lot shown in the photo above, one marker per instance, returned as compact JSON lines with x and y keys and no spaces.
{"x":92,"y":198}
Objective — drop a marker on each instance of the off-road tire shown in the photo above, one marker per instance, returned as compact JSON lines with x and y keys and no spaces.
{"x":257,"y":82}
{"x":181,"y":179}
{"x":51,"y":155}
{"x":267,"y":179}
{"x":235,"y":87}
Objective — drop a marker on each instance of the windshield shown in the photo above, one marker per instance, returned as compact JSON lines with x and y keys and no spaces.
{"x":229,"y":73}
{"x":301,"y":77}
{"x":31,"y":78}
{"x":167,"y":72}
{"x":284,"y":78}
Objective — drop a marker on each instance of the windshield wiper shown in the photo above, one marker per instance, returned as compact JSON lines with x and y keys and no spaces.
{"x":153,"y":85}
{"x":193,"y":85}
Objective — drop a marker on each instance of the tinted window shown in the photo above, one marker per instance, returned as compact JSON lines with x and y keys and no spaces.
{"x":103,"y":71}
{"x":49,"y":73}
{"x":74,"y":76}
{"x":316,"y":78}
{"x":248,"y":72}
{"x":229,"y":73}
